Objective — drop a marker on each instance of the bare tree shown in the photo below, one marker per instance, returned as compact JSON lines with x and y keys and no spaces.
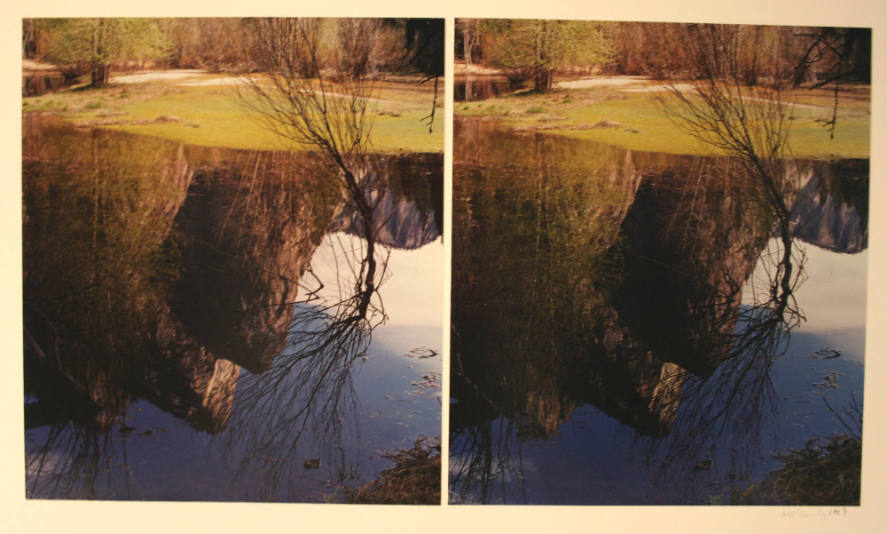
{"x":722,"y":110}
{"x":308,"y":393}
{"x":301,"y":97}
{"x":470,"y":30}
{"x":357,"y":40}
{"x":750,"y":123}
{"x":834,"y":56}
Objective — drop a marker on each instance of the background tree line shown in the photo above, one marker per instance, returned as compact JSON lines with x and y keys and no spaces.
{"x":352,"y":47}
{"x":536,"y":49}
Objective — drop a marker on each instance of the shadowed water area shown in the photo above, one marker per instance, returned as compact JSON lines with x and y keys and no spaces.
{"x":214,"y":324}
{"x":472,"y":88}
{"x":640,"y":328}
{"x":40,"y":82}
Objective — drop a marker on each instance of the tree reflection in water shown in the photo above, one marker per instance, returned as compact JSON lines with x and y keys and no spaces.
{"x":182,"y":265}
{"x":672,"y":329}
{"x":309,"y":389}
{"x":738,"y":400}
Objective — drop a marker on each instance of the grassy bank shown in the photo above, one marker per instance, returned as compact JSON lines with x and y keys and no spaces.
{"x":635,"y":120}
{"x":214,"y":114}
{"x":414,"y":478}
{"x":824,"y":473}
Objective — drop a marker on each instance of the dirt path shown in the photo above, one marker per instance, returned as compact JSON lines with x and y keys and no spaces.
{"x":641,"y":84}
{"x":198,"y":78}
{"x":221,"y":80}
{"x":602,"y":81}
{"x":686,"y":87}
{"x":158,"y":75}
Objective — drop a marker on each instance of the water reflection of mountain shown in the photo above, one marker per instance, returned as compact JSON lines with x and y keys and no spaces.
{"x":831,"y":210}
{"x":248,"y":233}
{"x":97,"y":242}
{"x":155,"y":270}
{"x":586,"y":274}
{"x":408,"y":213}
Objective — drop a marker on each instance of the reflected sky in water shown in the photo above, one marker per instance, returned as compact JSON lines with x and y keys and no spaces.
{"x":203,"y":324}
{"x":835,"y":309}
{"x":633,"y":328}
{"x":414,"y":304}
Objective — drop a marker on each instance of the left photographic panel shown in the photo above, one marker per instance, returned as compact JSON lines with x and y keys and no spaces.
{"x":233,"y":262}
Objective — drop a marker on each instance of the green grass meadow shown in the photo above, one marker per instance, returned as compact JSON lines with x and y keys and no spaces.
{"x":217,"y":115}
{"x":637,"y":121}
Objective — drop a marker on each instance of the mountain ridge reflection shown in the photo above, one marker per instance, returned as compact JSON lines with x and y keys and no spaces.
{"x":182,"y":266}
{"x":595,"y":276}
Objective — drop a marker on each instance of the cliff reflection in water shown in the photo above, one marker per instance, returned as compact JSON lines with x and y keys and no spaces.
{"x":184,"y":277}
{"x":655,"y":290}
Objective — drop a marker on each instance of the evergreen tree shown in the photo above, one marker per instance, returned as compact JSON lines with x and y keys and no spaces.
{"x":534,"y":49}
{"x":95,"y":43}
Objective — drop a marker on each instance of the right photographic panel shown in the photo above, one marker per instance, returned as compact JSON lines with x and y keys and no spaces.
{"x":660,"y":238}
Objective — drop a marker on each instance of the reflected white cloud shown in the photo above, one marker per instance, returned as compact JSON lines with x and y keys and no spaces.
{"x":412,"y":290}
{"x":832,"y":297}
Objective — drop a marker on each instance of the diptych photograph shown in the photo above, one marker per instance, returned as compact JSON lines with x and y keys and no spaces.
{"x":450,"y":261}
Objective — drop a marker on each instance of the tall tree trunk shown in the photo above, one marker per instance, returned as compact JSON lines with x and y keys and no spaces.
{"x":29,"y":38}
{"x":99,"y":75}
{"x":467,"y":43}
{"x":99,"y":68}
{"x":751,"y":71}
{"x":542,"y":80}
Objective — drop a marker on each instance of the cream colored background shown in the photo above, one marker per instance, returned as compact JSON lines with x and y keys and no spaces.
{"x":20,"y":515}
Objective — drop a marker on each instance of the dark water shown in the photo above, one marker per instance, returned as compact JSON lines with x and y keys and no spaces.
{"x":212,"y":324}
{"x":637,"y":328}
{"x":37,"y":83}
{"x":472,"y":88}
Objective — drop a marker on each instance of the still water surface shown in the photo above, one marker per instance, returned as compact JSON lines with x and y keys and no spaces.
{"x":472,"y":88}
{"x":213,"y":324}
{"x":634,"y":328}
